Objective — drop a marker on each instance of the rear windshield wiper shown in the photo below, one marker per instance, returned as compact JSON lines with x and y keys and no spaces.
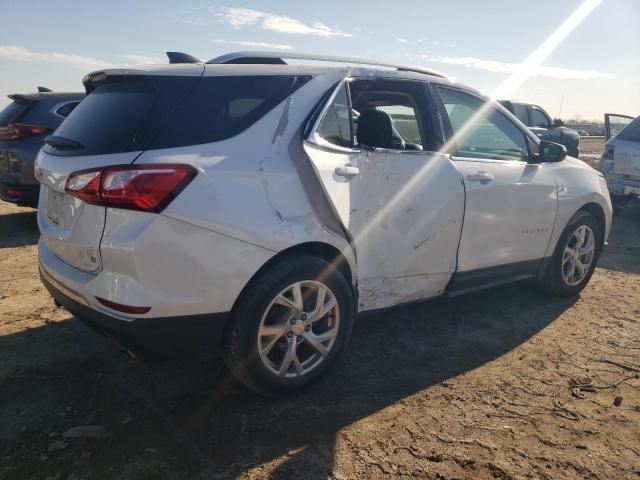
{"x":62,"y":143}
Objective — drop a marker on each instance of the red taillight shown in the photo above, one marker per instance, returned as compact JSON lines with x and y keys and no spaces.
{"x":149,"y":188}
{"x":15,"y":131}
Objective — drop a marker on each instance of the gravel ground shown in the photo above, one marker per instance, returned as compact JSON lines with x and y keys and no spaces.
{"x":505,"y":383}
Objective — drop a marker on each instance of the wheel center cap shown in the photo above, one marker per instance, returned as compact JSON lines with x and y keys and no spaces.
{"x":298,"y":328}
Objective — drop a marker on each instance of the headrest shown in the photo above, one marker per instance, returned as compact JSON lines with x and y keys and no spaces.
{"x":375,"y":129}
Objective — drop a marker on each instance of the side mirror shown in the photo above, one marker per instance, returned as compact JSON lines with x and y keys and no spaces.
{"x":551,"y":152}
{"x":558,"y":123}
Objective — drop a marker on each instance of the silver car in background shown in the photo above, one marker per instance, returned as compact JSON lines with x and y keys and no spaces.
{"x":620,"y":162}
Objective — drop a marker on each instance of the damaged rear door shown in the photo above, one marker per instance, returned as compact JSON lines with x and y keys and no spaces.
{"x":399,"y":198}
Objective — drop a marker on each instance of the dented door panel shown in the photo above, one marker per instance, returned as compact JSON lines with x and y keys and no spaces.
{"x":404,"y":213}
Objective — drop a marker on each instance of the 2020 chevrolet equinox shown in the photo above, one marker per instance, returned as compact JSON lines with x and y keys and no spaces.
{"x":274,"y":202}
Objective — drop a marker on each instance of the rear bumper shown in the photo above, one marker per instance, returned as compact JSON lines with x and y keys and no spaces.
{"x":19,"y":193}
{"x":165,"y":334}
{"x":620,"y":186}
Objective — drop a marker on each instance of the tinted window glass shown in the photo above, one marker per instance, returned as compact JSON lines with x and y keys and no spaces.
{"x":539,"y":119}
{"x":221,"y":107}
{"x":10,"y":111}
{"x":65,"y":110}
{"x":482,"y":132}
{"x":336,"y":123}
{"x":521,"y":112}
{"x":631,"y":132}
{"x":108,"y":120}
{"x":139,"y":113}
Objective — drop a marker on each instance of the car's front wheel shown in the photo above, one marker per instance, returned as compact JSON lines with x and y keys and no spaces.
{"x":289,"y":326}
{"x":575,"y":257}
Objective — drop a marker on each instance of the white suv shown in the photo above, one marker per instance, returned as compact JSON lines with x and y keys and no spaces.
{"x":270,"y":203}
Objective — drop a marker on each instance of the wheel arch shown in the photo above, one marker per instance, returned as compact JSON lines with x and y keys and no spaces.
{"x":598,"y":212}
{"x":322,"y":250}
{"x":594,"y":209}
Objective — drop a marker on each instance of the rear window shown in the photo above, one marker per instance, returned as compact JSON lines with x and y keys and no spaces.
{"x":630,"y":133}
{"x":8,"y":114}
{"x":140,"y":113}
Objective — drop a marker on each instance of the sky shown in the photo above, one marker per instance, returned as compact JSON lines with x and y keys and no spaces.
{"x":595,"y":69}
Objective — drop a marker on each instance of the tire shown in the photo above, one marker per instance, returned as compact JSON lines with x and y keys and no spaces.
{"x":554,"y":280}
{"x":269,"y":304}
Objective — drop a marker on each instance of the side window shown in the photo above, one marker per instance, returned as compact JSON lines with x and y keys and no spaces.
{"x":480,"y":130}
{"x":522,"y":113}
{"x":66,"y":109}
{"x":335,"y":126}
{"x":390,"y":114}
{"x":539,"y":118}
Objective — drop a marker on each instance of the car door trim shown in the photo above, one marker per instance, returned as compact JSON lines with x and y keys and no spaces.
{"x":472,"y":280}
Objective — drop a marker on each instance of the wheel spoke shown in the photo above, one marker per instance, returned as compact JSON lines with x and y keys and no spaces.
{"x":322,"y":306}
{"x":294,"y":305}
{"x":315,"y":342}
{"x":273,"y":331}
{"x":268,"y":330}
{"x":579,"y":267}
{"x":580,"y":237}
{"x":292,"y":326}
{"x":288,"y":357}
{"x":328,"y":335}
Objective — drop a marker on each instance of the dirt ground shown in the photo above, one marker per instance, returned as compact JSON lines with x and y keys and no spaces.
{"x":505,"y":383}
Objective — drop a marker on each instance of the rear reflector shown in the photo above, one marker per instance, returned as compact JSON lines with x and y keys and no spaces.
{"x":149,"y":188}
{"x":14,"y":193}
{"x":15,"y":131}
{"x":123,"y":308}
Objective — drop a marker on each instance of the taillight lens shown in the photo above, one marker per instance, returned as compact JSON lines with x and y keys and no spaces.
{"x":149,"y":188}
{"x":15,"y":131}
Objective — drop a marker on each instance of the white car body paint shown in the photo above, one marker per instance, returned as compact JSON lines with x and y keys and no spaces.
{"x":509,"y":217}
{"x":248,"y":203}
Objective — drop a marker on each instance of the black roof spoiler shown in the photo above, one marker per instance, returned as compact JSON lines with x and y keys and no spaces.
{"x":44,"y":90}
{"x":181,"y":57}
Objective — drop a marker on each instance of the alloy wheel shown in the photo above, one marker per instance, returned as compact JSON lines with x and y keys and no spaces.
{"x":578,"y":255}
{"x":298,"y":329}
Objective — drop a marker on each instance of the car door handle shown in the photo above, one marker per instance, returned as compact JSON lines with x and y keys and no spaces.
{"x":347,"y":171}
{"x":482,"y":177}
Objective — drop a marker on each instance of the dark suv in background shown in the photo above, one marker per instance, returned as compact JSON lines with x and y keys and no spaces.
{"x":24,"y":124}
{"x":540,"y":123}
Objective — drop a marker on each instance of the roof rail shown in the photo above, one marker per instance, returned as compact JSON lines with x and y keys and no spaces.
{"x":277,"y":58}
{"x":181,"y":57}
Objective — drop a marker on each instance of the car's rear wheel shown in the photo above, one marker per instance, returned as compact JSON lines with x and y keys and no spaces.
{"x":575,"y":257}
{"x":289,"y":325}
